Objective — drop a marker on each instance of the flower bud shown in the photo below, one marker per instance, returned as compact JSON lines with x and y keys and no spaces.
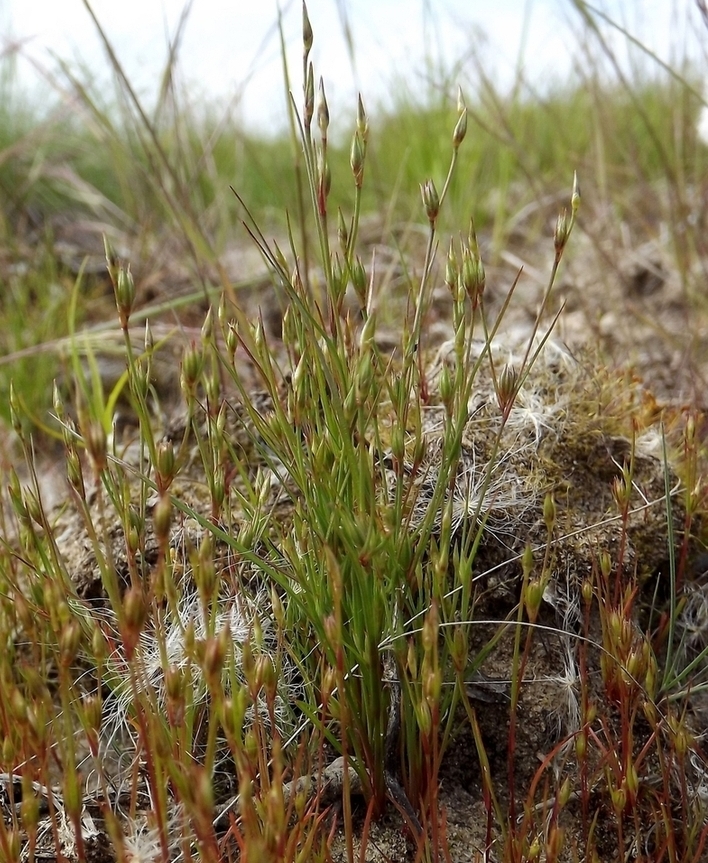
{"x":527,"y":561}
{"x":562,"y":232}
{"x":586,"y":591}
{"x":329,"y":682}
{"x":682,"y":739}
{"x":425,"y":720}
{"x":358,"y":274}
{"x":581,"y":746}
{"x":149,"y":340}
{"x":57,"y":403}
{"x":307,"y":35}
{"x":398,"y":446}
{"x":99,"y":648}
{"x":619,"y":800}
{"x":614,"y":625}
{"x":215,"y":654}
{"x":175,"y":687}
{"x":139,"y":377}
{"x":429,"y":633}
{"x":432,"y":686}
{"x":165,"y":466}
{"x":420,"y":449}
{"x":266,"y":676}
{"x":69,"y":639}
{"x":192,"y":364}
{"x":33,"y":506}
{"x":207,"y":330}
{"x":205,"y":574}
{"x":234,"y":711}
{"x":446,"y":388}
{"x":605,"y":564}
{"x":212,"y":390}
{"x":277,"y":607}
{"x":356,"y":159}
{"x":575,"y":196}
{"x":74,"y":472}
{"x":218,"y":488}
{"x":15,"y":414}
{"x":564,"y":793}
{"x":631,"y":782}
{"x":534,"y":851}
{"x":431,"y":201}
{"x":451,"y":270}
{"x":111,"y":259}
{"x":231,"y":341}
{"x":323,"y":111}
{"x":533,"y":594}
{"x":125,"y":295}
{"x":635,"y":666}
{"x":333,"y":635}
{"x":96,"y":444}
{"x":135,"y":613}
{"x":366,"y":337}
{"x":472,"y":276}
{"x":339,"y":278}
{"x":362,"y":122}
{"x":506,"y":388}
{"x":460,"y":649}
{"x":689,"y":432}
{"x":93,"y":711}
{"x":621,"y":491}
{"x":18,"y":706}
{"x":162,"y":518}
{"x":458,"y":135}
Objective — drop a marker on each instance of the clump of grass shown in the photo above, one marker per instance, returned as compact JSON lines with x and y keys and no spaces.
{"x":292,"y":597}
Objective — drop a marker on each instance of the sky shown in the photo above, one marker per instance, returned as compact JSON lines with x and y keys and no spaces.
{"x":230,"y":49}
